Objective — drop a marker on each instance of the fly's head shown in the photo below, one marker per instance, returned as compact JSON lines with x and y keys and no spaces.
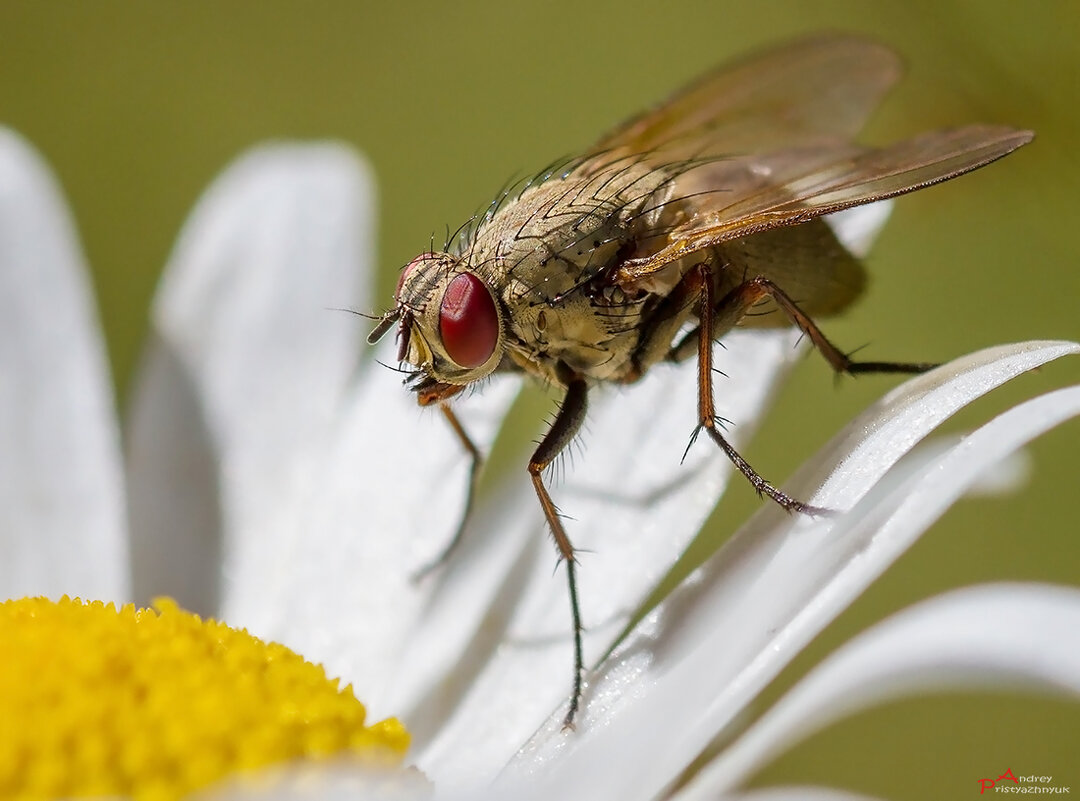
{"x":450,"y":326}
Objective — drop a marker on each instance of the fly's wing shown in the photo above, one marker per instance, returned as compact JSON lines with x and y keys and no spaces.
{"x":708,"y":212}
{"x":812,"y":90}
{"x":744,"y":128}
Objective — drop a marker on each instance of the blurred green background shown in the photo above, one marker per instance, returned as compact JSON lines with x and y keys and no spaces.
{"x":138,"y":106}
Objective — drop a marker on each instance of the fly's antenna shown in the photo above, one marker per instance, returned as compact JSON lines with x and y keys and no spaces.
{"x":386,"y":322}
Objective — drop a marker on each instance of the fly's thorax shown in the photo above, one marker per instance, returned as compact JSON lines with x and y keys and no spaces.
{"x":451,"y":319}
{"x":591,"y":333}
{"x":566,"y":230}
{"x":547,"y":255}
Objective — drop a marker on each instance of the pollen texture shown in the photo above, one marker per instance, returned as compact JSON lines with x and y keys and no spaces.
{"x":155,"y":703}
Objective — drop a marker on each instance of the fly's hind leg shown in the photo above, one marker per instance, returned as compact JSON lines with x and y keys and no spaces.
{"x":737,"y":303}
{"x":727,"y":314}
{"x":717,"y":319}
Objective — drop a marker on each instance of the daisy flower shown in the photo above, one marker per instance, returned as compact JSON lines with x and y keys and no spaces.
{"x":277,"y":477}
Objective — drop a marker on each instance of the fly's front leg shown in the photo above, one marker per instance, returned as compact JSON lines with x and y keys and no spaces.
{"x":710,"y":317}
{"x":476,"y":462}
{"x":562,"y":431}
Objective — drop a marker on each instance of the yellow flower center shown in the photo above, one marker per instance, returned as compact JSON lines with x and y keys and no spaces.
{"x":154,"y":704}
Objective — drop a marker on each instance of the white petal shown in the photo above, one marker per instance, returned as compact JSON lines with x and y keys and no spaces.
{"x":384,"y":497}
{"x":952,"y":642}
{"x":1007,"y":476}
{"x":795,"y":794}
{"x":320,"y":780}
{"x":249,"y":362}
{"x":707,"y":650}
{"x":1029,"y":649}
{"x":768,"y":793}
{"x":859,"y":226}
{"x":61,"y":487}
{"x":632,"y":509}
{"x":1011,"y":474}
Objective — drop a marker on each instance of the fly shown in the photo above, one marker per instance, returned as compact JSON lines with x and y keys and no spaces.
{"x":663,"y":237}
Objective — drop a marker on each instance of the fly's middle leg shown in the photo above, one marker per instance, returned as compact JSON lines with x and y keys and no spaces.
{"x":563,"y":430}
{"x":567,"y":422}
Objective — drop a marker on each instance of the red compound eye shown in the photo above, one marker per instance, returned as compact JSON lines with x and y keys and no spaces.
{"x":468,"y":321}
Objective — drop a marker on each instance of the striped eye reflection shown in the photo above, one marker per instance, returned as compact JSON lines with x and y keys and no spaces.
{"x":468,"y":321}
{"x":406,"y":272}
